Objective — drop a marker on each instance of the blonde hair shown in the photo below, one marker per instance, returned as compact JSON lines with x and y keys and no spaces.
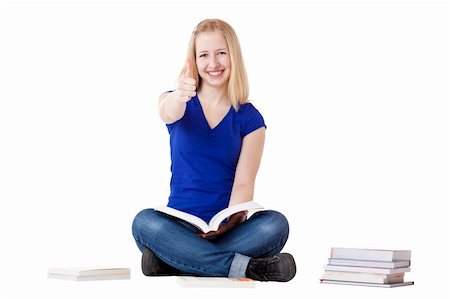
{"x":238,"y":83}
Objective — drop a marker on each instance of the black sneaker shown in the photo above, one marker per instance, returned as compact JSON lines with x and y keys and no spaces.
{"x":154,"y":266}
{"x":280,"y":267}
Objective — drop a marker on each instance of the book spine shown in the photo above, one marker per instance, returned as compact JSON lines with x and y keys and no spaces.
{"x":380,"y":285}
{"x":362,"y":277}
{"x":375,"y":264}
{"x":370,"y":254}
{"x":366,"y":269}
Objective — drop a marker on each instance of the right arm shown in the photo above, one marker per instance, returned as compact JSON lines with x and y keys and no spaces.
{"x":170,"y":109}
{"x":172,"y":105}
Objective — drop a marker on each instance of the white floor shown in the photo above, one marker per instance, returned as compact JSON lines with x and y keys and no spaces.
{"x":304,"y":285}
{"x":356,"y":153}
{"x":145,"y":287}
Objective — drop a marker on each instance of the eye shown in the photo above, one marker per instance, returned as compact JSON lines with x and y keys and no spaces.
{"x":203,"y":55}
{"x":222,"y":53}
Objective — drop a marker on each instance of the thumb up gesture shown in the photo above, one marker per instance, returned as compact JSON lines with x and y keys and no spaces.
{"x":186,"y":84}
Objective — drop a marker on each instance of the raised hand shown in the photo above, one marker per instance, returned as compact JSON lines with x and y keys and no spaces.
{"x":186,"y":84}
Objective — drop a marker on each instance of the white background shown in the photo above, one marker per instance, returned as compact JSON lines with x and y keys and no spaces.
{"x":355,"y":96}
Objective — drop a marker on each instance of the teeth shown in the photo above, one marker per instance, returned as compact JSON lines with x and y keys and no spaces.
{"x":215,"y":73}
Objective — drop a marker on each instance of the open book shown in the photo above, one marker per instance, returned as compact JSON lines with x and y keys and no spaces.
{"x":215,"y":221}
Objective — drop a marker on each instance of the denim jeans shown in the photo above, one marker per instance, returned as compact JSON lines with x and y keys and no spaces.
{"x":176,"y":242}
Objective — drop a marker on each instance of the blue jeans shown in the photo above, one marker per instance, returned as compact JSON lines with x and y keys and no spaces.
{"x":176,"y":242}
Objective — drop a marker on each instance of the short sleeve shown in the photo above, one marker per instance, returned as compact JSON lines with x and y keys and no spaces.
{"x":253,"y":120}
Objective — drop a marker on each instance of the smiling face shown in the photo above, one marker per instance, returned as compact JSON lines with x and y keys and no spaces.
{"x":213,"y":59}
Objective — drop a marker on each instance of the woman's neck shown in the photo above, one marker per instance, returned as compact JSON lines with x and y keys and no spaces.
{"x":213,"y":96}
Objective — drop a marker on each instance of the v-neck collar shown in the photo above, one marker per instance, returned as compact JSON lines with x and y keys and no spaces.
{"x":204,"y":115}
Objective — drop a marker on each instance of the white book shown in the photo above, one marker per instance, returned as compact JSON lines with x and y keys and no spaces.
{"x":366,"y":269}
{"x":367,"y":284}
{"x":215,"y":221}
{"x":214,"y":282}
{"x":363,"y":277}
{"x":374,"y":264}
{"x":370,"y":254}
{"x":89,"y":273}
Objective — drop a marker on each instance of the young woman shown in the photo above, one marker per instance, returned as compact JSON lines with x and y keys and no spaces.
{"x":217,"y":140}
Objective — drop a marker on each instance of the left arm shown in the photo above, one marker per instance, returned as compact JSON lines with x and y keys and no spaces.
{"x":244,"y":179}
{"x":247,"y":167}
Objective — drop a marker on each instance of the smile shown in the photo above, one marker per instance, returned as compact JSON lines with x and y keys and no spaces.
{"x":215,"y":74}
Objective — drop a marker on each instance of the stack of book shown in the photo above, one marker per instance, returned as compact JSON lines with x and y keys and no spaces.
{"x":367,"y":267}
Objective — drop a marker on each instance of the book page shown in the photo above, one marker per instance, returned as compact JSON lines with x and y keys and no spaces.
{"x":222,"y":215}
{"x":194,"y":220}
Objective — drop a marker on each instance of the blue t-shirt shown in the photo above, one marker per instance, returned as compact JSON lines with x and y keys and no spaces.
{"x":204,"y":160}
